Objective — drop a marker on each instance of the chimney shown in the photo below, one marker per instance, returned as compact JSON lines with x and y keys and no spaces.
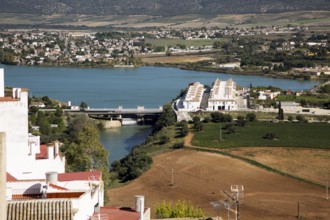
{"x":50,"y":152}
{"x":2,"y":83}
{"x":51,"y":177}
{"x":57,"y":147}
{"x":17,"y":93}
{"x":139,"y":205}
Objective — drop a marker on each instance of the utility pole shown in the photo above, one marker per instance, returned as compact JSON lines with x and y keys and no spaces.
{"x":220,"y":134}
{"x":172,"y":179}
{"x":327,"y":190}
{"x":2,"y":54}
{"x":237,"y":210}
{"x":298,"y":211}
{"x":227,"y":205}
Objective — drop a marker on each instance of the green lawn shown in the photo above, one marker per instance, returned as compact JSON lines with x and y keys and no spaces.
{"x":311,"y":135}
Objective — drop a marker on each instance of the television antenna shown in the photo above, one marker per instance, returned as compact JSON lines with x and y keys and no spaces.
{"x":235,"y":197}
{"x":216,"y":205}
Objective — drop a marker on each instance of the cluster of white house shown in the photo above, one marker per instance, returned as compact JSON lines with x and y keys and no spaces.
{"x":222,"y":96}
{"x":33,"y":181}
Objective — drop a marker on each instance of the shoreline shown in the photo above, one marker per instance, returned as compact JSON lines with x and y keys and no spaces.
{"x":179,"y":66}
{"x":244,"y":73}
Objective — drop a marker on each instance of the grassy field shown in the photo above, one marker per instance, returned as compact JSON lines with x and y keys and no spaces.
{"x":188,"y":43}
{"x":313,"y":99}
{"x":309,"y":135}
{"x":306,"y":163}
{"x":174,"y":59}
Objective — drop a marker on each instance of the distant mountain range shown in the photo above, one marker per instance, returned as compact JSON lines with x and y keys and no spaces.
{"x":159,"y":7}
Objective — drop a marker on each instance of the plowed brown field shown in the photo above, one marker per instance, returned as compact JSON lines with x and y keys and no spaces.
{"x":199,"y":177}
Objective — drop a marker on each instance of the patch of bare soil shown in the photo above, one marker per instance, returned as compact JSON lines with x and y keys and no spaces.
{"x":311,"y":164}
{"x":199,"y":177}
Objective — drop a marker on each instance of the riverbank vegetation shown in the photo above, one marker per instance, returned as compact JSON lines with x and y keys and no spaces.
{"x":83,"y":150}
{"x":167,"y":135}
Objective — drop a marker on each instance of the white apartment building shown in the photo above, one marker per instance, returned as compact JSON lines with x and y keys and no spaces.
{"x":26,"y":158}
{"x":193,"y":98}
{"x":223,"y":96}
{"x":33,"y":179}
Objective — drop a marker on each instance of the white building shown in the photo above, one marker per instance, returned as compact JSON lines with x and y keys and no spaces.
{"x":36,"y":185}
{"x":69,"y":196}
{"x":26,"y":158}
{"x":267,"y":94}
{"x":230,"y":65}
{"x":223,"y":96}
{"x":193,"y":98}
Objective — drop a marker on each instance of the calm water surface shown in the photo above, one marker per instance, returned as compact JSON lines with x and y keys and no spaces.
{"x":102,"y":87}
{"x":119,"y":141}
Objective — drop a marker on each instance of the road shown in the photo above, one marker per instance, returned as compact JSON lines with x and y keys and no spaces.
{"x":315,"y":89}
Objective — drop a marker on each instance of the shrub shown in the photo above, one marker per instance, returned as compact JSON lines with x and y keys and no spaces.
{"x":301,"y":118}
{"x":178,"y":145}
{"x":207,"y":119}
{"x":164,"y":139}
{"x":217,"y":117}
{"x":229,"y":127}
{"x":220,"y":117}
{"x":181,"y":209}
{"x":196,"y":119}
{"x":199,"y":126}
{"x":182,"y":123}
{"x":184,"y":131}
{"x":227,"y":118}
{"x":251,"y":117}
{"x":270,"y":136}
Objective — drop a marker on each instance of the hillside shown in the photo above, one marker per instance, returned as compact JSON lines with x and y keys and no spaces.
{"x":158,"y":7}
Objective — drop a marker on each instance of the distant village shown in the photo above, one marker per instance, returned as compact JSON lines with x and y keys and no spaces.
{"x":123,"y":49}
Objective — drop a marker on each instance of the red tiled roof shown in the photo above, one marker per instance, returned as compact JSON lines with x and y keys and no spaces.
{"x":10,"y":178}
{"x":8,"y":99}
{"x":43,"y":152}
{"x":88,"y":175}
{"x":112,"y":213}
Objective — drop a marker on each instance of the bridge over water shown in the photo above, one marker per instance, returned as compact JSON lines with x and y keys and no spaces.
{"x":125,"y":115}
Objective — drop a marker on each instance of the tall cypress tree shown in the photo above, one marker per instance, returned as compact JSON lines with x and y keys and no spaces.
{"x":280,"y":112}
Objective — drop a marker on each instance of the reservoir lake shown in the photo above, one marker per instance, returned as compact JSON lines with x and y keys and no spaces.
{"x":150,"y":87}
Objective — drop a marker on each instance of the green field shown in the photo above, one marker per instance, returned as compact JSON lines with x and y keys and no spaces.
{"x":308,"y":135}
{"x":315,"y":99}
{"x":173,"y":42}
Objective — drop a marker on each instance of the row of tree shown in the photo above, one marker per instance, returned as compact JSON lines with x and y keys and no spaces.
{"x":81,"y":137}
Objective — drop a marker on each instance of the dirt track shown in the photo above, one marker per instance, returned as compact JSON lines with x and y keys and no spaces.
{"x":199,"y":177}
